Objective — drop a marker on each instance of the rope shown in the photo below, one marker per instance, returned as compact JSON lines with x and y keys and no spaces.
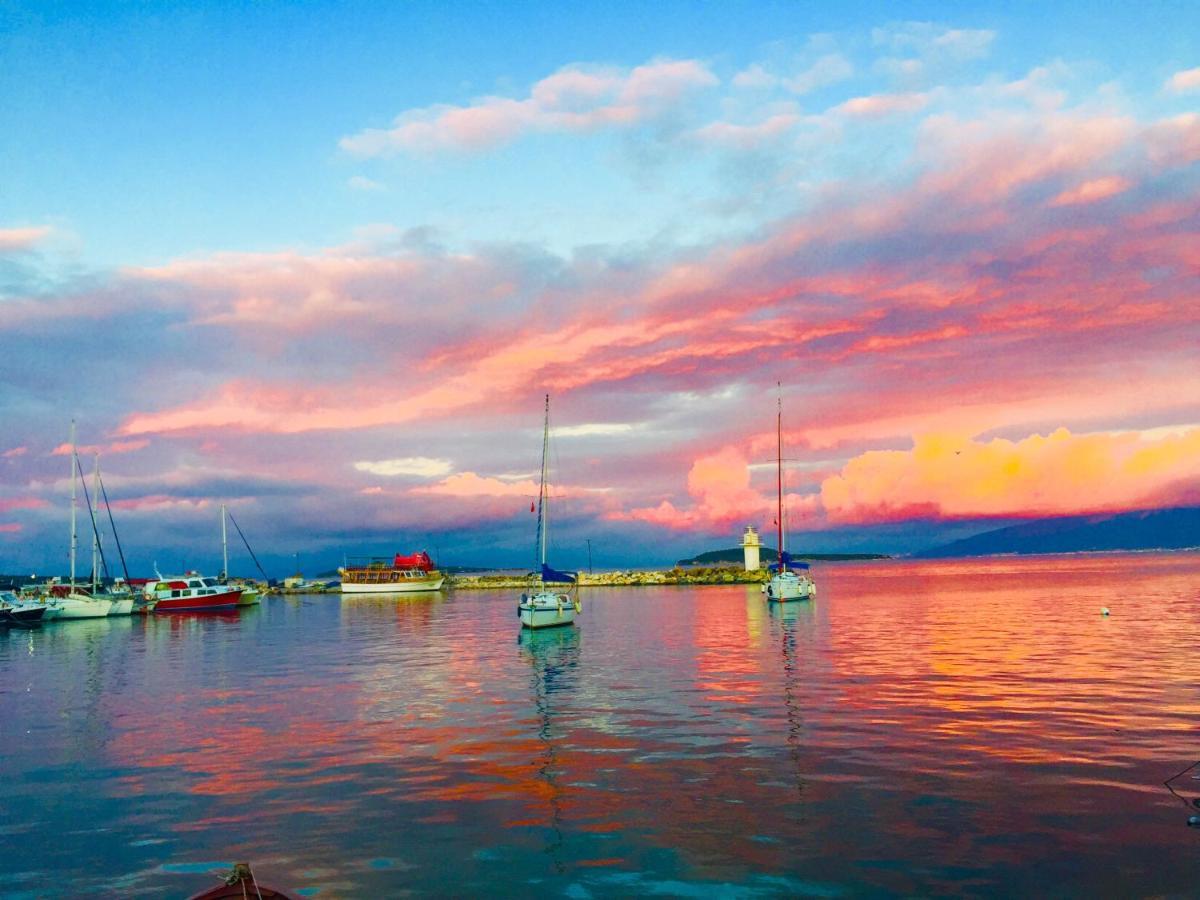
{"x":92,"y":513}
{"x":1167,"y":784}
{"x":113,"y":525}
{"x":247,"y":543}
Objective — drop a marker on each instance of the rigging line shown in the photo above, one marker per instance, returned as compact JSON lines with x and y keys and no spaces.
{"x":113,"y":525}
{"x":247,"y":543}
{"x":92,"y":513}
{"x":1170,"y":787}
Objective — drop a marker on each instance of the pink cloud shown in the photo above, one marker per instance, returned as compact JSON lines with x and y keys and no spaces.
{"x":101,"y":449}
{"x":880,"y":105}
{"x":11,"y":527}
{"x":576,"y":98}
{"x":746,"y":136}
{"x":721,"y":497}
{"x":23,"y":238}
{"x":161,"y":503}
{"x":469,"y":484}
{"x":1184,"y":81}
{"x":1092,"y":191}
{"x":11,"y":503}
{"x":14,"y":452}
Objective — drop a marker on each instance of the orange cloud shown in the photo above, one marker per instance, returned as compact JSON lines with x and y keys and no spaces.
{"x":954,"y":476}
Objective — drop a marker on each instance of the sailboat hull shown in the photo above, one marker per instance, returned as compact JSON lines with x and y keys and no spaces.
{"x":546,"y":610}
{"x":121,"y":607}
{"x":75,"y":606}
{"x":788,"y":586}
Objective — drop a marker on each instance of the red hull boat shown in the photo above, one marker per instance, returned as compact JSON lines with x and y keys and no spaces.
{"x":190,"y":593}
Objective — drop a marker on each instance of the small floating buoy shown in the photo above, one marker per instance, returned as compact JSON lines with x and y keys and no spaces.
{"x":1193,"y":821}
{"x":1104,"y":610}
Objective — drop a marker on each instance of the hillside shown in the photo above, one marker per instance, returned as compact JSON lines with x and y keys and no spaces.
{"x":1163,"y":529}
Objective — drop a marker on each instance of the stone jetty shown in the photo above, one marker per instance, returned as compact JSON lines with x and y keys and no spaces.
{"x":689,"y":575}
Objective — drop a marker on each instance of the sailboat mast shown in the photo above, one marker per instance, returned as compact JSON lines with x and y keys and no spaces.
{"x":779,"y":474}
{"x":542,"y":495}
{"x":224,"y":546}
{"x":74,"y":502}
{"x":95,"y":531}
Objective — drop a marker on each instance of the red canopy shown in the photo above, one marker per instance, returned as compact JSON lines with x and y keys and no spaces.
{"x":416,"y":561}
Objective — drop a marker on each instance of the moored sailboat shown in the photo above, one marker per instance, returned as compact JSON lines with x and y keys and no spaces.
{"x":785,"y":584}
{"x":74,"y":603}
{"x":544,"y":607}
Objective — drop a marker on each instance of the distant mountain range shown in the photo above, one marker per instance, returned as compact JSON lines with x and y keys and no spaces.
{"x":735,"y":555}
{"x":1160,"y":529}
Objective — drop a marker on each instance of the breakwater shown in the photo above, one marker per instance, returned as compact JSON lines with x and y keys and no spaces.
{"x":687,"y":576}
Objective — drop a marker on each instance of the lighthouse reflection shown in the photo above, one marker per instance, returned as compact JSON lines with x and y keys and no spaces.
{"x":553,"y":657}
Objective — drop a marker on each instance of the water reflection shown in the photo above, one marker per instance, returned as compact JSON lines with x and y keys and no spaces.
{"x":553,"y":657}
{"x":924,"y":728}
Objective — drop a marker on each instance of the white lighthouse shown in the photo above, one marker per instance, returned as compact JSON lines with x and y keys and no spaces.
{"x":750,"y":546}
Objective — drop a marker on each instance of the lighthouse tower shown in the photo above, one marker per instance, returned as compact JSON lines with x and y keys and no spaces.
{"x":750,"y":545}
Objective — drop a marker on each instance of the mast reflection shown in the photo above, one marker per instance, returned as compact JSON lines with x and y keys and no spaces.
{"x":553,"y":656}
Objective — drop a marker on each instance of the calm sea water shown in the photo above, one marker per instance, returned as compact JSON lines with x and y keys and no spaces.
{"x":933,"y":728}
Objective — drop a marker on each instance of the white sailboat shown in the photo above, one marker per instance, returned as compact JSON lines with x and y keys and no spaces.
{"x":77,"y":605}
{"x":785,"y":584}
{"x":544,"y":607}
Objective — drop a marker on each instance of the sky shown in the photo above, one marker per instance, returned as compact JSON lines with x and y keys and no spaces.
{"x":321,"y":263}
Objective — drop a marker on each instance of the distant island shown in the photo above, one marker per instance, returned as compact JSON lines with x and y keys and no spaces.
{"x":735,"y":555}
{"x":1160,"y":529}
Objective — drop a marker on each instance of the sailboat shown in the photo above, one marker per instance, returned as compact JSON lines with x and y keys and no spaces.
{"x":70,"y":601}
{"x":544,"y":607}
{"x":785,"y":584}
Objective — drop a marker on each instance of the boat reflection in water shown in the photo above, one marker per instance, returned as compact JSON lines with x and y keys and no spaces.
{"x":791,"y":624}
{"x":553,"y":657}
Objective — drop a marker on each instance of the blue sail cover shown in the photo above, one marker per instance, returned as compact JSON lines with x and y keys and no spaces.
{"x":549,"y":574}
{"x":785,"y":559}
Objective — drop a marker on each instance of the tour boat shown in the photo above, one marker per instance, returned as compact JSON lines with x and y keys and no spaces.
{"x":400,"y":574}
{"x":192,"y":592}
{"x":544,"y":607}
{"x":785,"y":584}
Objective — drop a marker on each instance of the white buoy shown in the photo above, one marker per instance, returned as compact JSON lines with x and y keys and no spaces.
{"x":1104,"y":610}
